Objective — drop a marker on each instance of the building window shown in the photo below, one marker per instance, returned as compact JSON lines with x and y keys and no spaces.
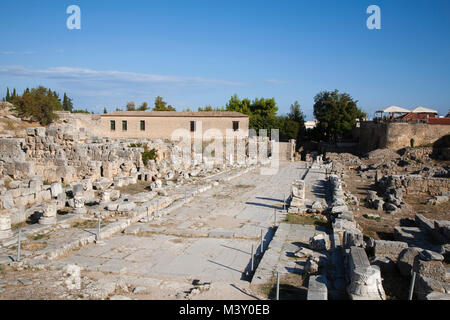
{"x":124,"y":125}
{"x":113,"y":125}
{"x":193,"y":126}
{"x":142,"y":125}
{"x":235,"y":125}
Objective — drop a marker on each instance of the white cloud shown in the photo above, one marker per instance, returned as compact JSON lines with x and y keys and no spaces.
{"x":17,"y":52}
{"x":275,"y":81}
{"x":82,"y":74}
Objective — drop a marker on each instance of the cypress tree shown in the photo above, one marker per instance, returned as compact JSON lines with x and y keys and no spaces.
{"x":8,"y":97}
{"x":105,"y":111}
{"x":14,"y":94}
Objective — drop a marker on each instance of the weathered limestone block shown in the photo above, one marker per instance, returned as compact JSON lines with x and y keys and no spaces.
{"x":126,"y":207}
{"x":87,"y":184}
{"x":105,"y":196}
{"x":425,"y":285}
{"x":78,"y":189}
{"x":102,"y":184}
{"x":423,"y":223}
{"x":437,"y":295}
{"x":297,"y":202}
{"x":36,"y":183}
{"x":11,"y":150}
{"x":366,"y":284}
{"x":430,"y":269}
{"x":317,"y":205}
{"x":56,"y":189}
{"x":78,"y":204}
{"x":317,"y":288}
{"x":406,"y":260}
{"x":352,"y":238}
{"x":318,"y":242}
{"x":340,"y":225}
{"x":24,"y":200}
{"x":428,"y":255}
{"x":386,"y":265}
{"x":339,"y":209}
{"x":23,"y":169}
{"x":6,"y":201}
{"x":73,"y":277}
{"x":441,"y":232}
{"x":44,"y":195}
{"x":298,"y":189}
{"x":49,"y":214}
{"x":312,"y":265}
{"x":347,"y":215}
{"x":5,"y":226}
{"x":389,"y":249}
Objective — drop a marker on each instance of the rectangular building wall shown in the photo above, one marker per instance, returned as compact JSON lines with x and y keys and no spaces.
{"x":164,"y":127}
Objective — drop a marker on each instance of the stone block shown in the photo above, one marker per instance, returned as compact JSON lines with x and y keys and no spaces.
{"x":366,"y":284}
{"x":126,"y":207}
{"x":386,"y":265}
{"x":6,"y":202}
{"x":5,"y":226}
{"x":423,"y":223}
{"x":389,"y":249}
{"x":352,"y":238}
{"x":56,"y":189}
{"x":424,"y":286}
{"x":11,"y":150}
{"x":430,"y":269}
{"x":428,"y":255}
{"x":406,"y":260}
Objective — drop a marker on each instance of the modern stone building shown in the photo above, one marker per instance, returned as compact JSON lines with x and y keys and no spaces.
{"x":162,"y":124}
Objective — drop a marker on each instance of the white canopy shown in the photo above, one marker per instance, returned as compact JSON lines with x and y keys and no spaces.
{"x":394,"y":109}
{"x":421,"y":109}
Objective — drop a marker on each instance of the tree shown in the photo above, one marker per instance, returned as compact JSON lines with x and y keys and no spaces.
{"x":161,"y":105}
{"x":143,"y":107}
{"x":14,"y":94}
{"x":264,"y":107}
{"x":8,"y":96}
{"x":207,"y":108}
{"x":105,"y":111}
{"x":67,"y":103}
{"x":336,"y":114}
{"x":131,"y":106}
{"x":296,"y":115}
{"x":39,"y":105}
{"x":238,"y":105}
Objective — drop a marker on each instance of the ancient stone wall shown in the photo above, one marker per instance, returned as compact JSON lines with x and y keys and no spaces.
{"x":415,"y":184}
{"x":398,"y":135}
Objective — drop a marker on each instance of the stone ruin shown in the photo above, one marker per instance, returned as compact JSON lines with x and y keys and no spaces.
{"x":363,"y":280}
{"x":297,"y":197}
{"x":421,"y":248}
{"x":67,"y":167}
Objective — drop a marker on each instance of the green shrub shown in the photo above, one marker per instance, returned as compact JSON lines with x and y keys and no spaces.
{"x":412,"y":142}
{"x":148,"y":155}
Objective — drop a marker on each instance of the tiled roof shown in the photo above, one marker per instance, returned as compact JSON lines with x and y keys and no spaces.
{"x":202,"y":114}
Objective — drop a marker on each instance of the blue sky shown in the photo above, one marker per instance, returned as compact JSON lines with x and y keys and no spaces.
{"x":195,"y":53}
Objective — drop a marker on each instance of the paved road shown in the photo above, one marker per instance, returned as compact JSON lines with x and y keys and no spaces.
{"x":209,"y":239}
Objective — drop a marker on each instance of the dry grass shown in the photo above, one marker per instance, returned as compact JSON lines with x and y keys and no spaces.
{"x":383,"y":228}
{"x":292,"y":287}
{"x":33,"y":246}
{"x":19,"y":225}
{"x":86,"y":224}
{"x":244,"y":186}
{"x":304,"y":219}
{"x":17,"y":127}
{"x":140,"y":186}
